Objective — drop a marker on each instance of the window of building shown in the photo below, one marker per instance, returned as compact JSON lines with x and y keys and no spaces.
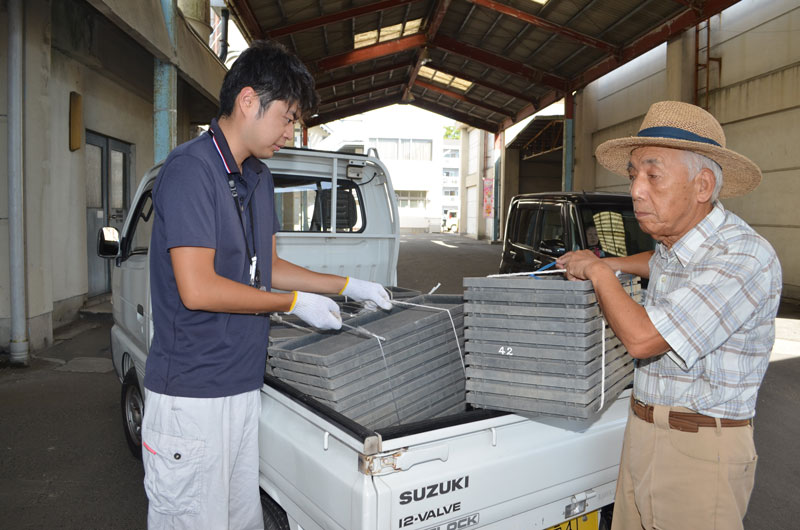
{"x":402,"y":149}
{"x":451,"y":153}
{"x":449,"y":171}
{"x":450,"y":192}
{"x":411,"y":198}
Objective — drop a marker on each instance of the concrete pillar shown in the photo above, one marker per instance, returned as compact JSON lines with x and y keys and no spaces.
{"x":38,"y":198}
{"x":681,"y":67}
{"x":585,"y":123}
{"x":509,"y":186}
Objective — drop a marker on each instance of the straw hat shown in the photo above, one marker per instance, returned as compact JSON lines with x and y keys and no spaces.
{"x":680,"y":125}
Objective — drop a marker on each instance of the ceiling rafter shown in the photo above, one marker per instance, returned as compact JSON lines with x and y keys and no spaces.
{"x":334,"y":17}
{"x":685,"y":19}
{"x":360,"y":75}
{"x":495,"y":61}
{"x":367,"y":53}
{"x":430,"y":34}
{"x":454,"y":95}
{"x":453,"y":114}
{"x":368,"y":90}
{"x":480,"y":80}
{"x":358,"y":108}
{"x":547,"y":25}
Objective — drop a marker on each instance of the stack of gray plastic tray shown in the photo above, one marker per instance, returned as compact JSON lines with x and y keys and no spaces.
{"x":290,"y":327}
{"x":416,"y":373}
{"x":539,"y":346}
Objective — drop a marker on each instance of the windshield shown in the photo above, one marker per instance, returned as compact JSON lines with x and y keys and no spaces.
{"x":612,"y":230}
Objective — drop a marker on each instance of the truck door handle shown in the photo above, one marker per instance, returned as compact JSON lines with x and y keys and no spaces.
{"x":140,"y":309}
{"x":409,"y":459}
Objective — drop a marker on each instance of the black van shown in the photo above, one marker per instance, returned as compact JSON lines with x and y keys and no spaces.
{"x":542,"y":226}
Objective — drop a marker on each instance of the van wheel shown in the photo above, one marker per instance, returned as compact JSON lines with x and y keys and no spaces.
{"x":274,"y":516}
{"x":132,"y":405}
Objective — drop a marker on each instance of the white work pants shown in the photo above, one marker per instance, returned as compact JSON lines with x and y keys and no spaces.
{"x":201,"y":462}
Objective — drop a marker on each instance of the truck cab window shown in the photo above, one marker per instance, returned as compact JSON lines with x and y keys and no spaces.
{"x":303,"y":204}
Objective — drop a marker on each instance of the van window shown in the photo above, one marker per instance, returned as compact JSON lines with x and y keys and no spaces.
{"x":552,"y":233}
{"x":613,"y":230}
{"x":303,"y":204}
{"x":524,"y":224}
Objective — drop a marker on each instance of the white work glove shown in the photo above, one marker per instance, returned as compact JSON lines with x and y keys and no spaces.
{"x":315,"y":310}
{"x":360,"y":290}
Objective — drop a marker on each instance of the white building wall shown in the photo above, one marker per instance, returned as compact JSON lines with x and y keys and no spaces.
{"x":755,"y":96}
{"x":403,"y":122}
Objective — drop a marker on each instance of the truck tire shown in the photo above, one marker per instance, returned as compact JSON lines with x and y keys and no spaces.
{"x":274,"y":516}
{"x":132,"y":406}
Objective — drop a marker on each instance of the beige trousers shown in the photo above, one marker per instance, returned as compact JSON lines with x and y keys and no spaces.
{"x":673,"y":480}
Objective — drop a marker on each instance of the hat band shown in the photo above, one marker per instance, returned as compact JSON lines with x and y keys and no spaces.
{"x":675,"y":133}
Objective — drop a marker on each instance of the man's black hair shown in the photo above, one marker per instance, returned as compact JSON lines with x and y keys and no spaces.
{"x":274,"y":73}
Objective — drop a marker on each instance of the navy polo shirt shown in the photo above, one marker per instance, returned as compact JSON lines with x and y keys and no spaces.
{"x":200,"y":353}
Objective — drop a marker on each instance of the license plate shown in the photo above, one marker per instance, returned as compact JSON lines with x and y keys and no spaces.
{"x":588,"y":521}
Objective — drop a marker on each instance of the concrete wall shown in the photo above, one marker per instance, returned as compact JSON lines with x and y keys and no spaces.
{"x":70,"y":47}
{"x":755,"y":96}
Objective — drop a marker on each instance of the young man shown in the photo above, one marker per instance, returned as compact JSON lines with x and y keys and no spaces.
{"x":212,"y":265}
{"x":703,"y":338}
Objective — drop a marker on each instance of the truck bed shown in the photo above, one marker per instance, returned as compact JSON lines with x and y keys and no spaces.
{"x":479,"y":469}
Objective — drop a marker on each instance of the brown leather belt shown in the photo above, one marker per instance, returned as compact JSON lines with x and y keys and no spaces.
{"x":684,"y":421}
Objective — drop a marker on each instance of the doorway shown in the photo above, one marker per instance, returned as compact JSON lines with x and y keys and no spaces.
{"x":108,"y":170}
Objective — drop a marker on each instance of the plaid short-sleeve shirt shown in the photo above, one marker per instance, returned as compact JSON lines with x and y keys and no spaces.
{"x":713,"y":297}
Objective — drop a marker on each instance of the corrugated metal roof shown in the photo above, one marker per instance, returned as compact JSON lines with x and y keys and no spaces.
{"x":486,"y":63}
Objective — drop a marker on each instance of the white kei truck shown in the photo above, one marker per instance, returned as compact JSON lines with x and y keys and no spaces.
{"x":320,"y":470}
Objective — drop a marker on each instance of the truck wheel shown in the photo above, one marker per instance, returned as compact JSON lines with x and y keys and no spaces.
{"x":274,"y":516}
{"x":132,"y":405}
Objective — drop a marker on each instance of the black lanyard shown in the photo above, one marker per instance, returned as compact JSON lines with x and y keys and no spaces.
{"x":254,"y":273}
{"x":255,"y":278}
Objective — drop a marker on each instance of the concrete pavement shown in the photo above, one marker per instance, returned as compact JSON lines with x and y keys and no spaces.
{"x":64,"y":462}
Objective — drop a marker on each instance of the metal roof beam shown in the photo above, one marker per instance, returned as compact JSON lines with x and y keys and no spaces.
{"x":430,"y":34}
{"x":352,"y":110}
{"x":368,"y":90}
{"x":545,"y":101}
{"x":356,"y":76}
{"x":673,"y":27}
{"x":546,"y":24}
{"x":460,"y":97}
{"x":367,"y":53}
{"x":496,"y":61}
{"x":454,"y":114}
{"x":482,"y":82}
{"x":335,"y":17}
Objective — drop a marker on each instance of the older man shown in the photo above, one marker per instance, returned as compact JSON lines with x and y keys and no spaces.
{"x":703,"y":338}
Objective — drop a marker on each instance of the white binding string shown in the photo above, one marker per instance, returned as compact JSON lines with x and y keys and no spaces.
{"x":278,"y":320}
{"x":452,"y":323}
{"x":534,"y":273}
{"x":603,"y":367}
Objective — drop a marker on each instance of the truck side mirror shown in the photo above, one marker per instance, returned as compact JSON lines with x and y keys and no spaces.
{"x":108,"y":242}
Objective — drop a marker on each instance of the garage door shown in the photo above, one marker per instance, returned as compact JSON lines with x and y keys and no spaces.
{"x":472,"y":210}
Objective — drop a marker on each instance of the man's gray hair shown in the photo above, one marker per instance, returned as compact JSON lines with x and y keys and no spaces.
{"x":695,"y":163}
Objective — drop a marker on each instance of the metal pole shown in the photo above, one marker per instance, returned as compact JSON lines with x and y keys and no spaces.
{"x":569,"y":149}
{"x":16,"y":211}
{"x":165,"y":90}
